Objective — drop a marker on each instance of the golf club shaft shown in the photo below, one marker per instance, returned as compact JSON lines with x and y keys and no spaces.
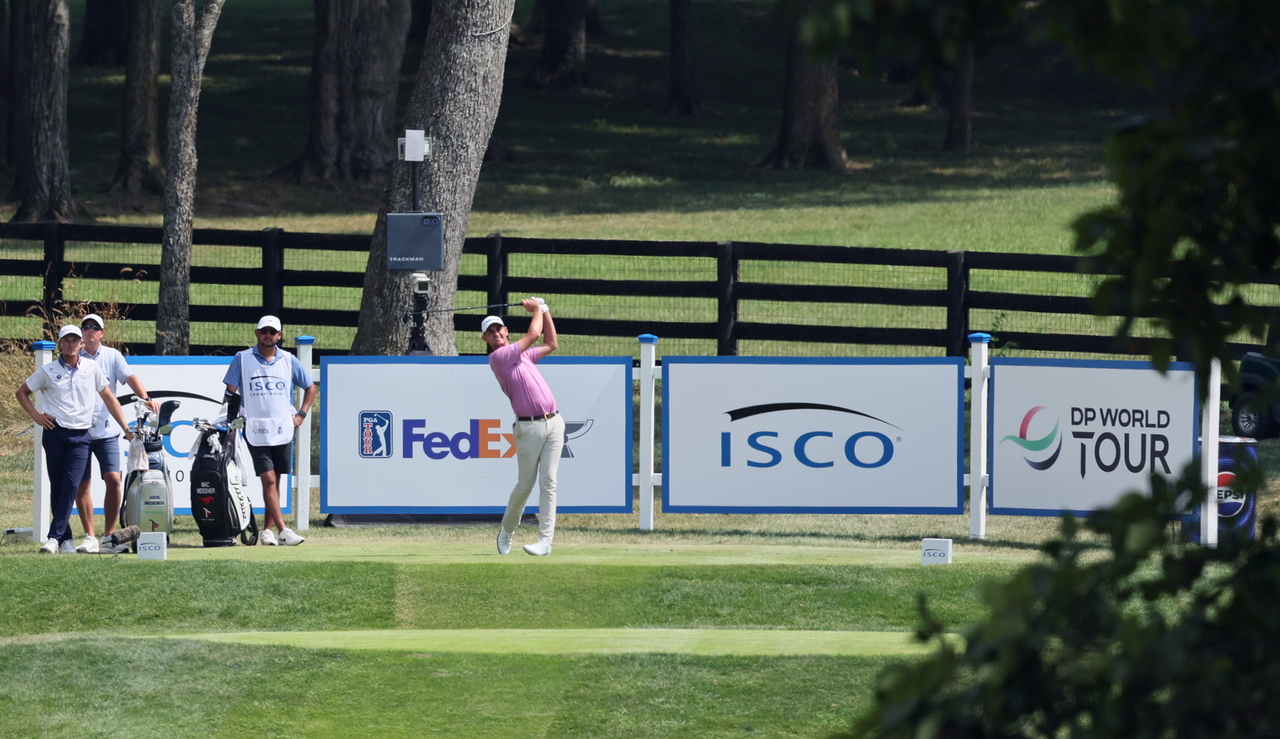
{"x":474,"y":307}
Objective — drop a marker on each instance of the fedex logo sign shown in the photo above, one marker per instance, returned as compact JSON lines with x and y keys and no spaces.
{"x":479,"y":441}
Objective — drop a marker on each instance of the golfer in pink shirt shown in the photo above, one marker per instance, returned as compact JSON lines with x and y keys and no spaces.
{"x":539,"y":427}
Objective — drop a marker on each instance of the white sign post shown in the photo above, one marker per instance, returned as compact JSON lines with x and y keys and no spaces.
{"x":433,"y":435}
{"x":781,"y":435}
{"x":1074,"y":436}
{"x":41,"y":515}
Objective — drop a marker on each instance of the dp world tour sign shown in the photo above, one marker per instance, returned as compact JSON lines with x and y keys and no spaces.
{"x":764,"y":435}
{"x":1074,"y":436}
{"x":433,"y":435}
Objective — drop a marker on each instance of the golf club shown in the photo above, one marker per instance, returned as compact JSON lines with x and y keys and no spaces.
{"x":474,"y":307}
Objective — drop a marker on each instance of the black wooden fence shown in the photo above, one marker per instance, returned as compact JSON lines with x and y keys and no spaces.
{"x":728,"y":290}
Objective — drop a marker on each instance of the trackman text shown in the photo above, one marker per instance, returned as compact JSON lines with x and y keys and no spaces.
{"x":478,"y":442}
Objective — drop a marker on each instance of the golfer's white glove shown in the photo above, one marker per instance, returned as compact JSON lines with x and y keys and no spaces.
{"x":543,"y":303}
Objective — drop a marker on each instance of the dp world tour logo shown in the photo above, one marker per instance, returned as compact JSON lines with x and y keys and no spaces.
{"x":1034,"y":450}
{"x":375,"y":434}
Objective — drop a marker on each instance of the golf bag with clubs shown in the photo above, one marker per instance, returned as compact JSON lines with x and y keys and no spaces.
{"x":219,"y":503}
{"x":148,"y":489}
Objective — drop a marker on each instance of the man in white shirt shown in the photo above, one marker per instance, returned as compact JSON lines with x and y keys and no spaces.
{"x":105,"y":444}
{"x":265,"y":376}
{"x":69,"y":385}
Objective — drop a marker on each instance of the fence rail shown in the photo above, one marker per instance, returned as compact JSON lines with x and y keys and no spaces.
{"x":700,"y":288}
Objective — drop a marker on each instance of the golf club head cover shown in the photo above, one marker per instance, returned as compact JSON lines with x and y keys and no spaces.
{"x":124,"y":536}
{"x":166,"y":411}
{"x":233,"y":405}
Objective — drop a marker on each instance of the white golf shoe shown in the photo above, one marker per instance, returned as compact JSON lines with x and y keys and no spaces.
{"x":540,"y":548}
{"x":504,"y":540}
{"x":289,"y":538}
{"x":89,"y":545}
{"x":66,"y":547}
{"x":49,"y":547}
{"x":269,"y":538}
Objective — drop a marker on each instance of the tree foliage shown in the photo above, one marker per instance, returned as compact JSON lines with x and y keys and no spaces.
{"x":1152,"y":639}
{"x":1199,"y":203}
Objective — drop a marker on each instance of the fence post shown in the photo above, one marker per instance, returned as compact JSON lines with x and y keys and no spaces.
{"x":980,"y":383}
{"x":1209,"y":456}
{"x":645,"y":476}
{"x":40,"y":514}
{"x":496,"y":272}
{"x":727,"y":309}
{"x":272,"y":272}
{"x":957,"y":303}
{"x":55,"y":249}
{"x":302,"y":470}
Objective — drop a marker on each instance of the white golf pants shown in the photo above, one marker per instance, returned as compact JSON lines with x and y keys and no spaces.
{"x":538,"y":446}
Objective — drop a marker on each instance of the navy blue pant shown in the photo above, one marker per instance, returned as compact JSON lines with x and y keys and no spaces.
{"x":66,"y":452}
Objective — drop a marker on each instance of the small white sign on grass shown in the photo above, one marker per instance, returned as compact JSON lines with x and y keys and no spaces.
{"x":936,"y":552}
{"x":153,"y":545}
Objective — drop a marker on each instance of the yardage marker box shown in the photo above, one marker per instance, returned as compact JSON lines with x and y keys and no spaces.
{"x":434,"y":435}
{"x":1072,"y":436}
{"x":787,"y":435}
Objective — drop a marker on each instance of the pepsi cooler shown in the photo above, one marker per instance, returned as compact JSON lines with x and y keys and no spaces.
{"x":1237,"y":505}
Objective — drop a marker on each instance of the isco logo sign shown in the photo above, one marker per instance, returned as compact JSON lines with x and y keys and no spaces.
{"x":863,"y":449}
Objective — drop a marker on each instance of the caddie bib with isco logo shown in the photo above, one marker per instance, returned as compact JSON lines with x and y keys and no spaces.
{"x":268,"y":398}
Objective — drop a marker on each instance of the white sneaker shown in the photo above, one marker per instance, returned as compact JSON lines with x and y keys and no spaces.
{"x":67,"y":547}
{"x":49,"y":547}
{"x":289,"y":538}
{"x":269,"y":538}
{"x":504,"y":540}
{"x":89,"y":545}
{"x":539,"y":548}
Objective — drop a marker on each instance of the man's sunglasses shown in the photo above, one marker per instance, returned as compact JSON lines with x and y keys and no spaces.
{"x":90,"y":327}
{"x":268,"y":331}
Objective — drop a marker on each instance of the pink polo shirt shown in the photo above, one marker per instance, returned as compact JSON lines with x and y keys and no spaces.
{"x":521,"y":380}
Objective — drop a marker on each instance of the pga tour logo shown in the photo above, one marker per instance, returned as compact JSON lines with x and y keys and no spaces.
{"x":375,"y":434}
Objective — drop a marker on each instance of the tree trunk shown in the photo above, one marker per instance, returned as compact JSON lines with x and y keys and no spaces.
{"x":455,"y":100}
{"x":105,"y":41}
{"x":810,"y":135}
{"x":564,"y":46}
{"x":355,"y":72}
{"x":43,"y":178}
{"x":420,"y":20}
{"x":959,"y":124}
{"x":140,"y":166}
{"x":192,"y":36}
{"x":682,"y":98}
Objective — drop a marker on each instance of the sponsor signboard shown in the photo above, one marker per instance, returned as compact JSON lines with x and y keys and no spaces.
{"x":153,"y":545}
{"x":434,"y":435}
{"x":196,"y":383}
{"x":785,"y":435}
{"x":1074,"y":436}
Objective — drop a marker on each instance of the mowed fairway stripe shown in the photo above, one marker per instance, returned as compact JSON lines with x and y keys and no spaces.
{"x":640,"y":555}
{"x":707,"y":642}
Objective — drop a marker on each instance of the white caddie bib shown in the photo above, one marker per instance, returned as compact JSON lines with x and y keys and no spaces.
{"x":268,"y":399}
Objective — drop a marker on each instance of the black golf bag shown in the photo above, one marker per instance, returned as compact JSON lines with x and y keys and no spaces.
{"x":219,"y":503}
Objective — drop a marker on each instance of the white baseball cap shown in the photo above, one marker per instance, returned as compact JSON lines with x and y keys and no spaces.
{"x":269,"y":321}
{"x":70,"y":330}
{"x":490,"y":321}
{"x":95,"y":318}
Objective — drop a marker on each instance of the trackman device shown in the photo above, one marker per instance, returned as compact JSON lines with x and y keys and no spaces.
{"x":415,"y":242}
